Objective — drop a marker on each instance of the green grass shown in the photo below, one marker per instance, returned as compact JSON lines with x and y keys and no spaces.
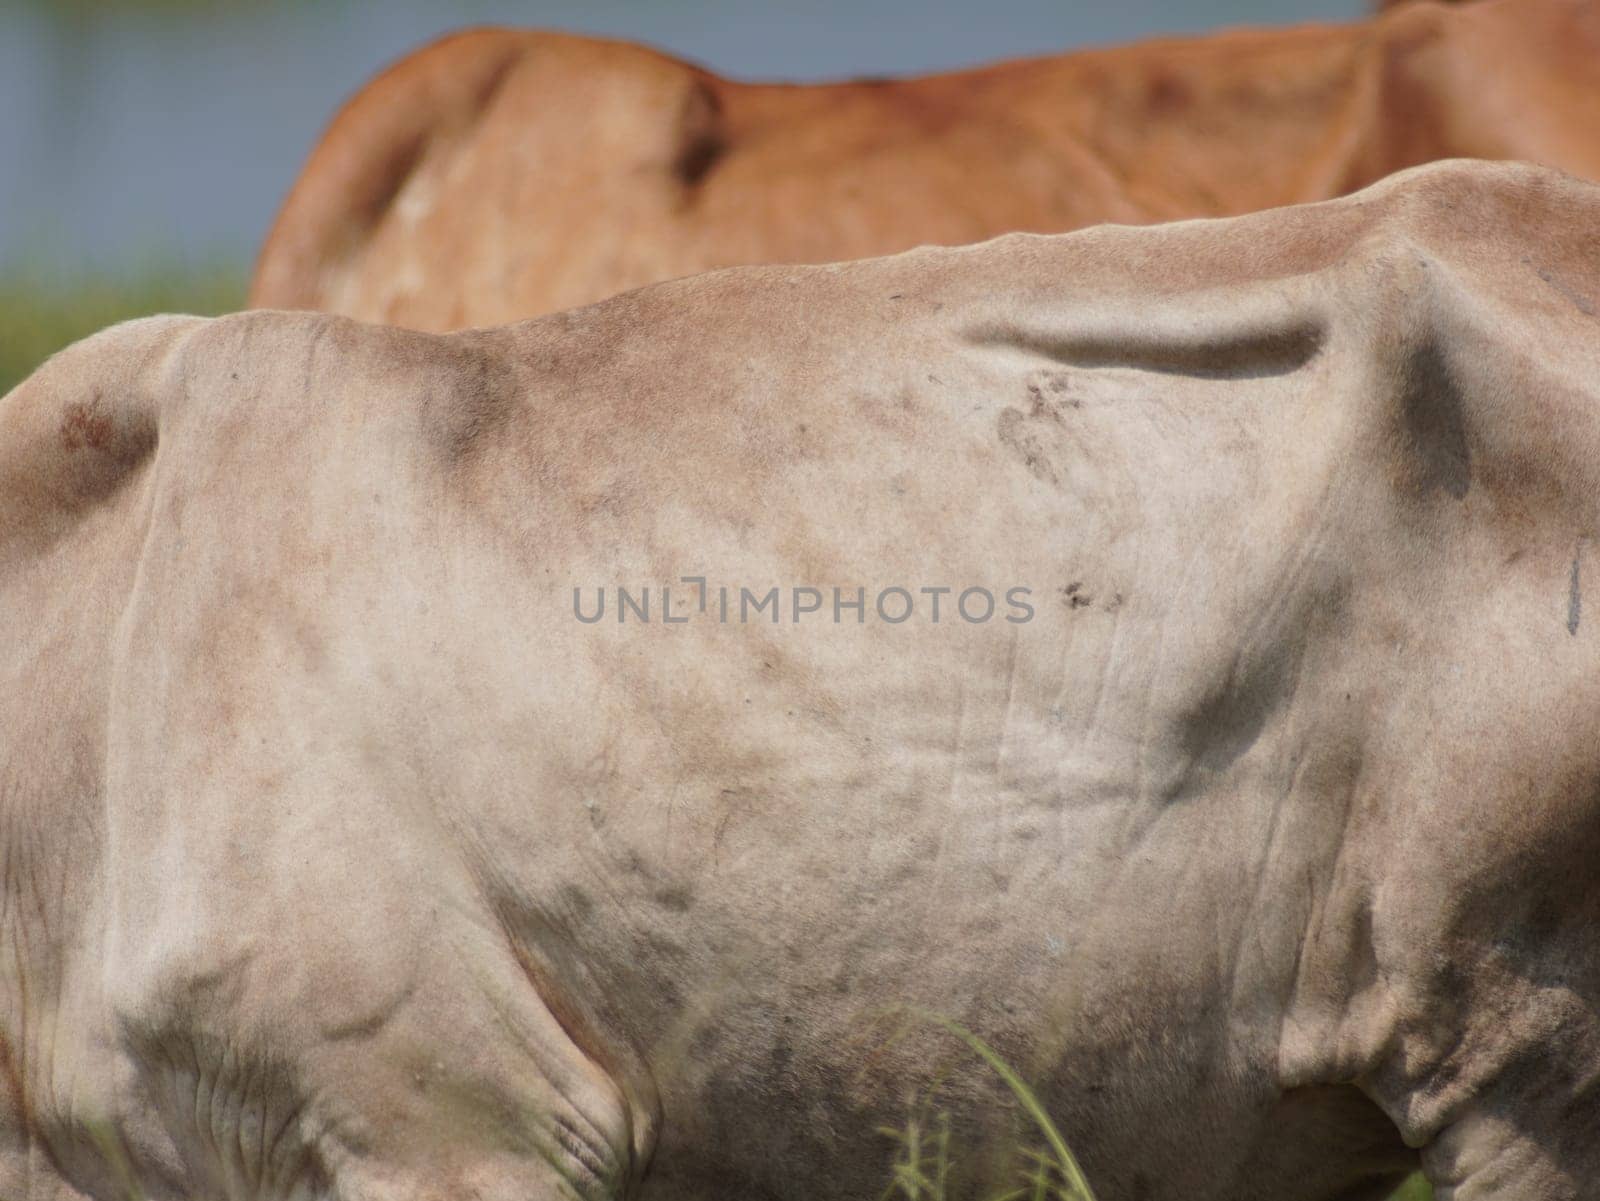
{"x":1043,"y":1167}
{"x":38,"y":317}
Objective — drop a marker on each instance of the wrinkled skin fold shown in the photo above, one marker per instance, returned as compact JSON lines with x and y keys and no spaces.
{"x":342,"y":861}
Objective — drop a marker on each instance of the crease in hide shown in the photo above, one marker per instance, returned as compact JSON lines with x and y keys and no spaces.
{"x":1222,"y":337}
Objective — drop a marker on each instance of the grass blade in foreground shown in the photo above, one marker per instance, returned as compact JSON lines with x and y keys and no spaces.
{"x":1065,"y":1162}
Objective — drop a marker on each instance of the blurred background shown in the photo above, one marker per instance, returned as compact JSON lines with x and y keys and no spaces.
{"x":147,"y":143}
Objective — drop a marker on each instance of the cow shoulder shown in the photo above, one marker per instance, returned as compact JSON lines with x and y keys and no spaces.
{"x":1491,"y":354}
{"x":80,"y":427}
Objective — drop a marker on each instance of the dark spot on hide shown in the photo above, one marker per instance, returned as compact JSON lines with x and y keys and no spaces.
{"x":675,"y":897}
{"x":1167,"y":95}
{"x":1013,"y":428}
{"x":1434,"y":424}
{"x":1579,"y":301}
{"x":1574,"y":598}
{"x":704,"y":140}
{"x":85,"y":425}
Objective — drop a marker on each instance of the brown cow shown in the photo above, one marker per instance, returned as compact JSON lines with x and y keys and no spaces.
{"x":500,"y":174}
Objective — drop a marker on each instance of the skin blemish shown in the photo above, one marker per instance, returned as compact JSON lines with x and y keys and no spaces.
{"x":85,"y":426}
{"x":1578,"y":301}
{"x":1574,"y":598}
{"x":1015,"y":434}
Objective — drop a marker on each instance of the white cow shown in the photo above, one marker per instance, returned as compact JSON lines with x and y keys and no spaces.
{"x":1254,"y":816}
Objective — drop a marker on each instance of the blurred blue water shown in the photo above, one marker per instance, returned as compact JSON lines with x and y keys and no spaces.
{"x":137,"y":140}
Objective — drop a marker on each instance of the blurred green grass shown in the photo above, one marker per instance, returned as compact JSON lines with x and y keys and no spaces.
{"x":38,"y":315}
